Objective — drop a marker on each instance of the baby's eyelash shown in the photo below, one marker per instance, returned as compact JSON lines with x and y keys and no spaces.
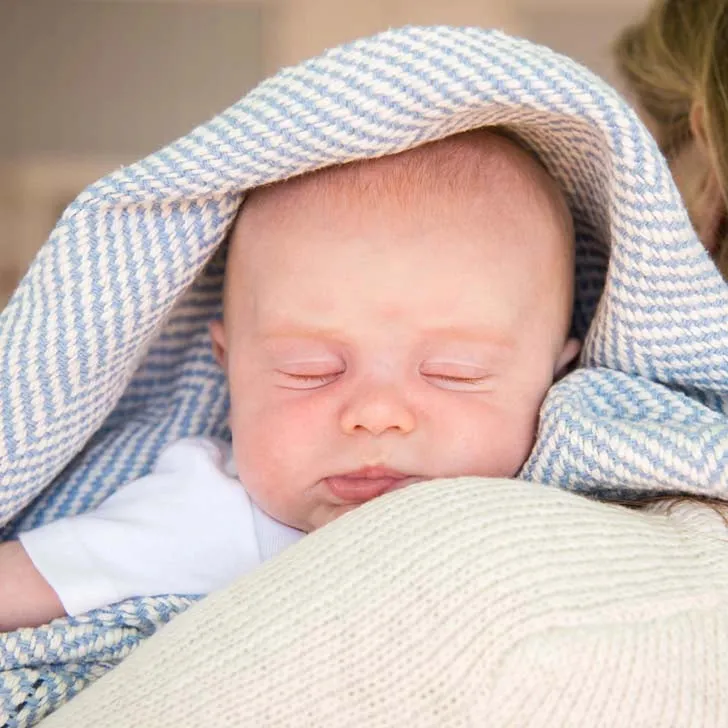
{"x":293,"y":380}
{"x":313,"y":377}
{"x":481,"y":383}
{"x":450,"y":378}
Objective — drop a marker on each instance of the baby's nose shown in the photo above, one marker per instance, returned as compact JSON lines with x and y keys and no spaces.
{"x":378,"y":409}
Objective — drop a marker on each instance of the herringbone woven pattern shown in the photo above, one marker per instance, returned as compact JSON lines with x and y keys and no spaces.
{"x":104,"y":355}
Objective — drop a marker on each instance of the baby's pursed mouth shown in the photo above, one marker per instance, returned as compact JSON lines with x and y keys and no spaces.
{"x":362,"y":485}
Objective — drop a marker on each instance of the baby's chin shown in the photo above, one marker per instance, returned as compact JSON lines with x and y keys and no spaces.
{"x":309,"y":520}
{"x":324,"y":516}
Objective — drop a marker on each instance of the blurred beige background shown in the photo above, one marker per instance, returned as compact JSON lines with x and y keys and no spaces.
{"x":87,"y":85}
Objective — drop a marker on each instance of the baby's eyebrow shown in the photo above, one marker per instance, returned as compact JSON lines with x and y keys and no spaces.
{"x":479,"y":335}
{"x":298,"y":331}
{"x":473,"y":334}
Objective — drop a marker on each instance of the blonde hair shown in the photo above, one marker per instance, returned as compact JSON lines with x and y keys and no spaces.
{"x":673,"y":60}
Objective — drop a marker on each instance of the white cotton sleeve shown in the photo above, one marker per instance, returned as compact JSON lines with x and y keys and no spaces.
{"x":272,"y":535}
{"x":186,"y":528}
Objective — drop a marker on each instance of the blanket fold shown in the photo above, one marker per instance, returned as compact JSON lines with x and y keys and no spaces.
{"x":104,"y":353}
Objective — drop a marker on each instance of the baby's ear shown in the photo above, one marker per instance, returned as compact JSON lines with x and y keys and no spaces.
{"x":572,"y":347}
{"x":217,"y":337}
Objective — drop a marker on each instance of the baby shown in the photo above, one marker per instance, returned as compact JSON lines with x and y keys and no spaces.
{"x":384,"y":322}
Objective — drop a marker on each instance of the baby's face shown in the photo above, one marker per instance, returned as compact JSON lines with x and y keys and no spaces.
{"x":372,"y":342}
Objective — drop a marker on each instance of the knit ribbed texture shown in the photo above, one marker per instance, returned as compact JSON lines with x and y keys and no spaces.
{"x":104,"y":349}
{"x":459,"y":603}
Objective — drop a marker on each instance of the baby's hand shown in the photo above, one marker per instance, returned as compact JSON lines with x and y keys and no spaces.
{"x":187,"y":528}
{"x":26,"y":598}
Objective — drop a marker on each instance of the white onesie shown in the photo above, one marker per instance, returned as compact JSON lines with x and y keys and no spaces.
{"x":188,"y":527}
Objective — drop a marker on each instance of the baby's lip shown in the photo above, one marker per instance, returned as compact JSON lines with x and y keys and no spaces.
{"x":373,"y":472}
{"x":362,"y":485}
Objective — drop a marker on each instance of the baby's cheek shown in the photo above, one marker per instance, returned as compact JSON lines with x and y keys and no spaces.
{"x":496,"y":441}
{"x":293,"y":426}
{"x":275,"y":445}
{"x":260,"y":436}
{"x":519,"y":436}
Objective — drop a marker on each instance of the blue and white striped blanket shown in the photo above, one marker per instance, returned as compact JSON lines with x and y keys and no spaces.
{"x":104,"y":355}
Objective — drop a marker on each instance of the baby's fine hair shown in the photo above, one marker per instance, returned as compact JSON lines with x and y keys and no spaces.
{"x":451,"y":165}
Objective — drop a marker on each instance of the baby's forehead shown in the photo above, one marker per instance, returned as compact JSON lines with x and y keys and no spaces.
{"x":473,"y":175}
{"x":481,"y":188}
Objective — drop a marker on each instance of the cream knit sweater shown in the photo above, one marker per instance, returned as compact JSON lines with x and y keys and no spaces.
{"x":458,"y":603}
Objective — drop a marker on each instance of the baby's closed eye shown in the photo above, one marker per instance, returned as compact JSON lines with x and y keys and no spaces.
{"x":457,"y":375}
{"x":309,"y":374}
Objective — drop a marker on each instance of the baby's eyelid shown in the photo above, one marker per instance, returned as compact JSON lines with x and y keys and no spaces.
{"x":308,"y":380}
{"x":312,"y":377}
{"x":312,"y":368}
